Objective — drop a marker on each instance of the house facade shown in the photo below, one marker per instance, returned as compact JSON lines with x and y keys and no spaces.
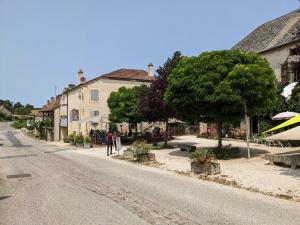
{"x":87,"y":102}
{"x":278,"y":41}
{"x":5,"y":111}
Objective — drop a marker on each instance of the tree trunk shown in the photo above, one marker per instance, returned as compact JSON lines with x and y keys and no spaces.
{"x":220,"y":134}
{"x":136,"y":129}
{"x":166,"y":133}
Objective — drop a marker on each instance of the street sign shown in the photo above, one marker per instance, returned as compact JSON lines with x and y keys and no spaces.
{"x":118,"y":144}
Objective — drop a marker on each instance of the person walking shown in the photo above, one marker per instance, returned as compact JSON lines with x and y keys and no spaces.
{"x":109,"y":141}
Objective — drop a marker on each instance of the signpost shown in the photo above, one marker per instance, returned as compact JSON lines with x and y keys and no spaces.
{"x":118,"y":144}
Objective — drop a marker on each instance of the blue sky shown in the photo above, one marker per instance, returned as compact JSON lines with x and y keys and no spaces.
{"x":44,"y":43}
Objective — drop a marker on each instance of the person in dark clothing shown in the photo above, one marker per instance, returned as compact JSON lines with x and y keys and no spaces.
{"x":109,"y":142}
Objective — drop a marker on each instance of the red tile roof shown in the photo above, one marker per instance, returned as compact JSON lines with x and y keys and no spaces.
{"x":129,"y":74}
{"x":121,"y":74}
{"x":50,"y":106}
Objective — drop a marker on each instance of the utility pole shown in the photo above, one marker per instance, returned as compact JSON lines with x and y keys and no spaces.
{"x":247,"y":129}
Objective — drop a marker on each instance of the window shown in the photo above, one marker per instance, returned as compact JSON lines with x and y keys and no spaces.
{"x":94,"y":113}
{"x":94,"y":95}
{"x":74,"y":115}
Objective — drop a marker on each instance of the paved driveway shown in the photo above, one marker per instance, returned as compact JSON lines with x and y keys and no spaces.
{"x":67,"y":187}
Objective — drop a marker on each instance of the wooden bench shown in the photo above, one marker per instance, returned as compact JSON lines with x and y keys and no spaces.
{"x":187,"y":147}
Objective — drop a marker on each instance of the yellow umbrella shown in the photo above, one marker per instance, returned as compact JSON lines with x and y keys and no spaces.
{"x":295,"y":119}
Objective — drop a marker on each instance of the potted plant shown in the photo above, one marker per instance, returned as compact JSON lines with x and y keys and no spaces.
{"x":72,"y":138}
{"x":142,"y":151}
{"x":79,"y":140}
{"x":203,"y":162}
{"x":87,"y":142}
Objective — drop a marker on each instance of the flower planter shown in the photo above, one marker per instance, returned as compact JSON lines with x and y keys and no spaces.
{"x":128,"y":154}
{"x":208,"y":168}
{"x":149,"y":157}
{"x":87,"y":145}
{"x":80,"y":145}
{"x":72,"y":143}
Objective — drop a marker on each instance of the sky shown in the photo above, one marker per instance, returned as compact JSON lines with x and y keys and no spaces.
{"x":44,"y":43}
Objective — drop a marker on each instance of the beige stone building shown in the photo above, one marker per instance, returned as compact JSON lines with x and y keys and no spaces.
{"x":87,"y":102}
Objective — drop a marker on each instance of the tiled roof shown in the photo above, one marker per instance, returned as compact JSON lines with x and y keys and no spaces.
{"x":121,"y":74}
{"x":50,"y":106}
{"x":275,"y":33}
{"x":132,"y":74}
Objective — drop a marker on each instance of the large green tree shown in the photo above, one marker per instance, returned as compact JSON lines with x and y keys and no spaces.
{"x":215,"y":86}
{"x":123,"y":105}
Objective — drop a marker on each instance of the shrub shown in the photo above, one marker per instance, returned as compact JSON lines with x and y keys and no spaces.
{"x":19,"y":124}
{"x":79,"y":139}
{"x":87,"y":140}
{"x":71,"y":137}
{"x":140,"y":148}
{"x":227,"y":152}
{"x":203,"y":156}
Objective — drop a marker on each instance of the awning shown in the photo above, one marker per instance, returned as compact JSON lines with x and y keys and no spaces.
{"x":284,"y":115}
{"x":289,"y":135}
{"x":295,"y":119}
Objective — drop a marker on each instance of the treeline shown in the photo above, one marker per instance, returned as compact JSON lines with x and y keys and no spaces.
{"x":17,"y":108}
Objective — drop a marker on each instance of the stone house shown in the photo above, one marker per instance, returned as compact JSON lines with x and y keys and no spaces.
{"x":47,"y":113}
{"x":87,"y":102}
{"x":278,"y":41}
{"x":5,"y":111}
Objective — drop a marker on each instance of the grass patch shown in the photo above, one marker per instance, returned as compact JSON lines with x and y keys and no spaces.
{"x":19,"y":124}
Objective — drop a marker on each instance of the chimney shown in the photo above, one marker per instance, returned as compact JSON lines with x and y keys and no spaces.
{"x":150,"y":67}
{"x":48,"y":102}
{"x":81,"y":78}
{"x":52,"y":99}
{"x":71,"y":86}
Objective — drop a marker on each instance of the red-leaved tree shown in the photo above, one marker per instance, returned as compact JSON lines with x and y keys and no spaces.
{"x":151,"y":101}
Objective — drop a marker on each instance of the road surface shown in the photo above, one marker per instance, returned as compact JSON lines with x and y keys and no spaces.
{"x":61,"y":187}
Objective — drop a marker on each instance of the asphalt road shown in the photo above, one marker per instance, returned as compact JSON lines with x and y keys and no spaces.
{"x":70,"y":188}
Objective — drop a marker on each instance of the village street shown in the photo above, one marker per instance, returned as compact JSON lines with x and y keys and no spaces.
{"x":70,"y":188}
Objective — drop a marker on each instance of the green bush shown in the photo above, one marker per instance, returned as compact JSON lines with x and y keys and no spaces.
{"x":226,"y":152}
{"x":141,"y":148}
{"x":79,"y":139}
{"x":71,"y":137}
{"x":203,"y":156}
{"x":87,"y":140}
{"x":19,"y":124}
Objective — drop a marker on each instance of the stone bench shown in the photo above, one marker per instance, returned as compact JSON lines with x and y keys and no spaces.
{"x":292,"y":160}
{"x":187,"y":147}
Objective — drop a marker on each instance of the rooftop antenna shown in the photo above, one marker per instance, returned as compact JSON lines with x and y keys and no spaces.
{"x":55,"y":86}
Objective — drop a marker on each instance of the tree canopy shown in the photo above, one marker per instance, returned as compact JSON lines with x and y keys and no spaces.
{"x":151,"y":102}
{"x":215,"y":86}
{"x":123,"y":105}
